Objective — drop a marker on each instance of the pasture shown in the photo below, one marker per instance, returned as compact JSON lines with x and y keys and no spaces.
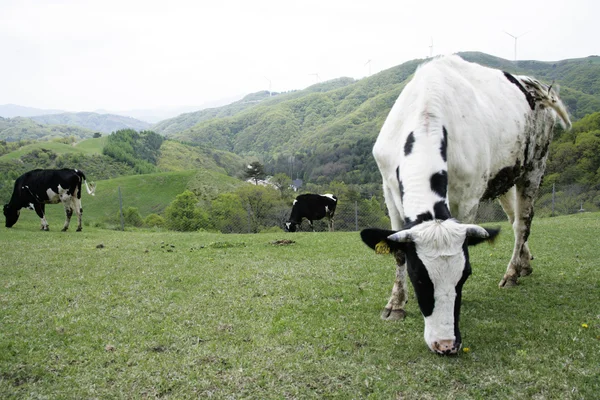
{"x":148,"y":314}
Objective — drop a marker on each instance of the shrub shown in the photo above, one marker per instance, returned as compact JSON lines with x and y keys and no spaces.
{"x":154,"y":220}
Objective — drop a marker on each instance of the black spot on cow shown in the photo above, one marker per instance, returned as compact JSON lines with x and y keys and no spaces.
{"x":439,"y":183}
{"x":400,"y":185}
{"x":420,"y":279}
{"x":410,"y":140}
{"x":502,"y":182}
{"x":444,"y":144}
{"x":528,"y":95}
{"x":440,"y":210}
{"x":426,"y":216}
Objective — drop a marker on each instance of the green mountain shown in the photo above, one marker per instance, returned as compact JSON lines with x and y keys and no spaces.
{"x":105,"y":123}
{"x":188,"y":120}
{"x":327,"y":131}
{"x":19,"y":128}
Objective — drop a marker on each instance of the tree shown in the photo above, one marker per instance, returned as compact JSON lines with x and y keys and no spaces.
{"x":154,"y":220}
{"x":228,"y":215}
{"x":262,"y":204}
{"x":97,"y":135}
{"x":255,"y":171}
{"x":132,"y":217}
{"x":183,"y":215}
{"x":282,"y":182}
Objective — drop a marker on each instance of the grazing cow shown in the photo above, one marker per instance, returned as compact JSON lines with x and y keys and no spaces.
{"x":312,"y":207}
{"x":458,"y":133}
{"x":35,"y":189}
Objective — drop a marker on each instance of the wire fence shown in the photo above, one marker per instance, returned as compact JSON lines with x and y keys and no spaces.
{"x":231,"y":214}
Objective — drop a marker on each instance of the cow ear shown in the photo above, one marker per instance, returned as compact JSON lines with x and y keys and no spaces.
{"x":477,"y":234}
{"x":378,"y":240}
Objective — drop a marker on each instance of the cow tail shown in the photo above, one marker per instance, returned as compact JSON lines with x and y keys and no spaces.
{"x":91,"y":188}
{"x":549,"y":97}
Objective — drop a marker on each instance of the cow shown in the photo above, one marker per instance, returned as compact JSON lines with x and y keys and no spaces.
{"x":35,"y":189}
{"x":458,"y":133}
{"x":312,"y":207}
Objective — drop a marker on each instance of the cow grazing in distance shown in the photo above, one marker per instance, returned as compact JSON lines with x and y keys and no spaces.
{"x":35,"y":189}
{"x":312,"y":207}
{"x":458,"y":133}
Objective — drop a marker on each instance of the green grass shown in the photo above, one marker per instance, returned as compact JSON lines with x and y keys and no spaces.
{"x":200,"y":315}
{"x":58,"y":148}
{"x":93,"y":145}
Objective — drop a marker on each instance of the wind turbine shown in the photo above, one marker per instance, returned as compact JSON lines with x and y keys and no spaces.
{"x":369,"y":63}
{"x":270,"y":93}
{"x":431,"y":48}
{"x":316,"y":75}
{"x":516,"y":37}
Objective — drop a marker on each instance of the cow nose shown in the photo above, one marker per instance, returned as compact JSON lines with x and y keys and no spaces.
{"x":446,"y":347}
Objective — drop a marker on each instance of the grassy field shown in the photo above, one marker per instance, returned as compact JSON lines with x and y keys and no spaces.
{"x":58,"y":148}
{"x":92,"y":145}
{"x":150,"y":193}
{"x":108,"y":314}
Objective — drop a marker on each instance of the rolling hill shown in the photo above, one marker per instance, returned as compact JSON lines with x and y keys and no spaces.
{"x":150,"y":193}
{"x":105,"y":123}
{"x":328,"y":133}
{"x":14,"y":110}
{"x":19,"y":128}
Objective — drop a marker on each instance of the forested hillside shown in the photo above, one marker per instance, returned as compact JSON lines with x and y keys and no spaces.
{"x":105,"y":123}
{"x":19,"y":128}
{"x":327,"y":135}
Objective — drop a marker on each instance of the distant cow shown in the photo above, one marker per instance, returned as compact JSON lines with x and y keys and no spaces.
{"x":35,"y":189}
{"x":312,"y":207}
{"x":459,"y":133}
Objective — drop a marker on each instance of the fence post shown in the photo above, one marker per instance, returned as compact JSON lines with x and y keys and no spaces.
{"x":355,"y":215}
{"x":121,"y":210}
{"x":553,"y":193}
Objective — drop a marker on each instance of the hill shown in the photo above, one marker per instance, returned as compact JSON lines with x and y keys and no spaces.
{"x":327,"y":131}
{"x":150,"y":193}
{"x":19,"y":128}
{"x":105,"y":123}
{"x":14,"y":110}
{"x":186,"y":121}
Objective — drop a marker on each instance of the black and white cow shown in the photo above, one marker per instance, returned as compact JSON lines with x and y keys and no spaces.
{"x":458,"y":133}
{"x":312,"y":207}
{"x":35,"y":189}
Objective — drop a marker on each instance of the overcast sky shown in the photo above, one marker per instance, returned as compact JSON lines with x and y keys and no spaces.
{"x":81,"y":55}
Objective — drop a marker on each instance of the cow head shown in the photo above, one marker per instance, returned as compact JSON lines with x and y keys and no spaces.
{"x":437,"y":259}
{"x":11,"y":214}
{"x":289,"y":226}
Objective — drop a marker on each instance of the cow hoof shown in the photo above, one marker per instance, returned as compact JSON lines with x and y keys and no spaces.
{"x":393,"y":315}
{"x":526,"y":271}
{"x":508,"y":282}
{"x":78,"y":230}
{"x":45,"y":228}
{"x":63,"y":229}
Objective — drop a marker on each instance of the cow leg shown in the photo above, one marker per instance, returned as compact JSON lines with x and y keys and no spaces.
{"x":521,"y":203}
{"x":40,"y":210}
{"x":507,"y":201}
{"x":78,"y":211}
{"x":394,"y":309}
{"x":312,"y":228}
{"x":69,"y":213}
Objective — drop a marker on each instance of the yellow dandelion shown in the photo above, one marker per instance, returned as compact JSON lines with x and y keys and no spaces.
{"x":585,"y":326}
{"x":466,"y":349}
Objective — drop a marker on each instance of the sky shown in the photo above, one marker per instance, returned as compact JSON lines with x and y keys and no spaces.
{"x":81,"y":55}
